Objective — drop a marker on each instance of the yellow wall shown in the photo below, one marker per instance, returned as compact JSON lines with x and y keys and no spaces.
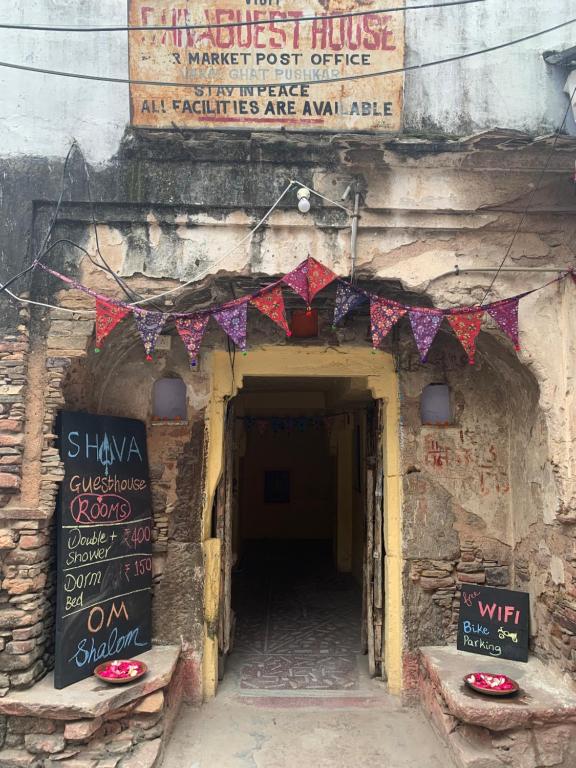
{"x":376,"y":373}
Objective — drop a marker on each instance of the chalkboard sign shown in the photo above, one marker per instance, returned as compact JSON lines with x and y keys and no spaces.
{"x":104,"y":549}
{"x":494,"y":622}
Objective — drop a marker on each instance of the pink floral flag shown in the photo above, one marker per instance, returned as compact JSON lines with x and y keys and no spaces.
{"x":466,"y":325}
{"x":298,"y":280}
{"x":506,"y":315}
{"x":425,"y":324}
{"x":309,"y":278}
{"x":191,"y":330}
{"x":149,"y":326}
{"x":232,"y":320}
{"x":384,"y":315}
{"x":108,"y":315}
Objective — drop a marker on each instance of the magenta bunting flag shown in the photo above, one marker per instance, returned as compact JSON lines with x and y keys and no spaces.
{"x":232,"y":320}
{"x":384,"y":315}
{"x":506,"y":315}
{"x":308,"y":278}
{"x":191,"y":330}
{"x":425,"y":324}
{"x":347,"y":298}
{"x":298,"y":280}
{"x":271,"y":304}
{"x":149,"y":326}
{"x":466,"y":325}
{"x":108,"y":316}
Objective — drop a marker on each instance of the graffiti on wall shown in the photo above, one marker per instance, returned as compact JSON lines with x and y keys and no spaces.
{"x":477,"y":462}
{"x":260,"y":63}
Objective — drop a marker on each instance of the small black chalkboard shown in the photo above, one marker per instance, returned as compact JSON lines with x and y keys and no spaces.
{"x":104,"y":548}
{"x":494,"y":622}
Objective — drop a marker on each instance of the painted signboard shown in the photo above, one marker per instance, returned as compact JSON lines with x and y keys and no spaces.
{"x":494,"y":622}
{"x":260,"y":64}
{"x":104,"y":548}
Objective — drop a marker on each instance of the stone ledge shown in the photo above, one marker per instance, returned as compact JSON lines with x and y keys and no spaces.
{"x":91,"y":698}
{"x":544,"y":698}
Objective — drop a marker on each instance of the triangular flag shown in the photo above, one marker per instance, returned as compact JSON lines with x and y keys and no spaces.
{"x":149,"y":325}
{"x":319,"y":277}
{"x":108,"y":316}
{"x":347,"y":298}
{"x":425,"y":324}
{"x":191,"y":330}
{"x":384,"y":315}
{"x":466,"y":326}
{"x":271,"y":303}
{"x":506,"y":315}
{"x":232,"y":320}
{"x":308,"y":278}
{"x":298,"y":280}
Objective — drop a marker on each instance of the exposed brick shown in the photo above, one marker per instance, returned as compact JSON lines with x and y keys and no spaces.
{"x":8,"y":481}
{"x":432,"y":584}
{"x":11,"y":440}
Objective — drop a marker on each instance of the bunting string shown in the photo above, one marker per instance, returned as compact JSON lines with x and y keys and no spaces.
{"x":307,"y":280}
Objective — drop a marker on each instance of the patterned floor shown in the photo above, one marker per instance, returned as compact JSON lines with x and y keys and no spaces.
{"x":297,"y":621}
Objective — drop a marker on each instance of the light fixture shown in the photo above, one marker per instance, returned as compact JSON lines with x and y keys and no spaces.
{"x":303,"y":196}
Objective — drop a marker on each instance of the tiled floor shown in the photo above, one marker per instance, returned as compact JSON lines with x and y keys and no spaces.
{"x":298,"y":621}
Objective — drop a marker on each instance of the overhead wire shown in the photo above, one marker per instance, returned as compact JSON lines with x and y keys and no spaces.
{"x":289,"y":83}
{"x":226,"y":24}
{"x":535,"y":188}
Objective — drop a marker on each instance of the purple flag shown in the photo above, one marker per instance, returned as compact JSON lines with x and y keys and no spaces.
{"x":347,"y":298}
{"x":191,"y":330}
{"x":506,"y":315}
{"x":232,"y":320}
{"x":149,"y":325}
{"x":425,"y":324}
{"x":298,"y":280}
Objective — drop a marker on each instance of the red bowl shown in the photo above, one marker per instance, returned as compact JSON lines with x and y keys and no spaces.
{"x":479,"y":681}
{"x":142,"y":669}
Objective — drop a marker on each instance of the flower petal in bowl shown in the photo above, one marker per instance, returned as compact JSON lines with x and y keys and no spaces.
{"x":120,"y":670}
{"x":491,"y":684}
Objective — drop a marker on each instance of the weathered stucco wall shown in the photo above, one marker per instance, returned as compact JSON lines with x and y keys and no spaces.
{"x":511,"y":88}
{"x":171,"y":208}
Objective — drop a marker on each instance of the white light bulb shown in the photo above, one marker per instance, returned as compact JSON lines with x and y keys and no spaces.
{"x":303,"y":205}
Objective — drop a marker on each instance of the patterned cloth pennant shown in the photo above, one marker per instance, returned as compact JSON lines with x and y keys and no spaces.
{"x":271,"y":304}
{"x":466,"y":326}
{"x":506,"y":315}
{"x":149,"y":325}
{"x":384,"y":315}
{"x":319,"y":277}
{"x":298,"y":280}
{"x":232,"y":320}
{"x":308,"y":278}
{"x":107,"y":318}
{"x":191,"y":330}
{"x":347,"y":298}
{"x":425,"y":324}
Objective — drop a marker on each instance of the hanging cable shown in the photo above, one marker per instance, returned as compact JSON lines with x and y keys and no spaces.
{"x":226,"y":25}
{"x":535,"y":188}
{"x":323,"y":81}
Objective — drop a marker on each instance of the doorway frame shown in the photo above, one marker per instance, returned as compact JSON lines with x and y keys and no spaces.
{"x":366,"y":370}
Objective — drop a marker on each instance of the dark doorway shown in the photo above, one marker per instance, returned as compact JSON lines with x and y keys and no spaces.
{"x":296,"y":547}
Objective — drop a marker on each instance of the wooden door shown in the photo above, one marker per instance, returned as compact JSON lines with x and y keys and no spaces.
{"x":225,"y":510}
{"x":374,"y":549}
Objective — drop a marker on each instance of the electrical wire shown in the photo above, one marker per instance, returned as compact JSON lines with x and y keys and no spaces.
{"x":323,"y":81}
{"x":225,"y":25}
{"x":535,"y":188}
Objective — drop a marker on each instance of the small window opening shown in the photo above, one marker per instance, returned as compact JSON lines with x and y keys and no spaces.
{"x":169,"y":400}
{"x":435,"y":405}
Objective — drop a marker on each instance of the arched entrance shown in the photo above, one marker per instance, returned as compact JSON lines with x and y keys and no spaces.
{"x":361,"y":371}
